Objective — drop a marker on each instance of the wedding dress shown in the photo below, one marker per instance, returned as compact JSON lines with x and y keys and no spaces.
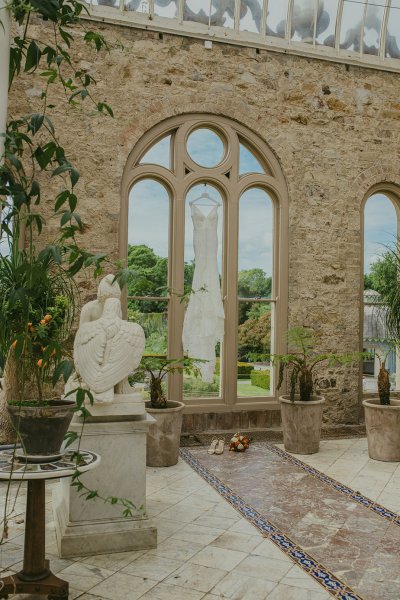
{"x":204,"y":319}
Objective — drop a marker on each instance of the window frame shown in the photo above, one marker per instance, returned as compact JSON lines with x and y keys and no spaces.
{"x":392,"y":192}
{"x":178,"y":182}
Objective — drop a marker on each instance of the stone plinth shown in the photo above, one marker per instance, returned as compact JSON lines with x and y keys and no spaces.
{"x":86,"y":527}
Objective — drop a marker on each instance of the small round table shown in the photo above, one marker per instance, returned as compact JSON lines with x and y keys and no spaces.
{"x":35,"y":576}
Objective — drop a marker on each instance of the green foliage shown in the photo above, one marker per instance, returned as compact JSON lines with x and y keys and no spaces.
{"x":255,"y":335}
{"x":261,"y":379}
{"x":252,"y":283}
{"x":157,"y":368}
{"x":383,"y":274}
{"x":149,"y":277}
{"x":196,"y":387}
{"x":35,"y":283}
{"x":303,"y":359}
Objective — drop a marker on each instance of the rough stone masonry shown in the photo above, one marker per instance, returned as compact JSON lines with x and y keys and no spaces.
{"x":334,"y":128}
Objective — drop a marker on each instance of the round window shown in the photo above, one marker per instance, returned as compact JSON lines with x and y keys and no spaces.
{"x":205,"y":147}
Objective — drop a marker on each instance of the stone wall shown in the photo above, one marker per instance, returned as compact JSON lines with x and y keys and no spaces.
{"x":334,"y":129}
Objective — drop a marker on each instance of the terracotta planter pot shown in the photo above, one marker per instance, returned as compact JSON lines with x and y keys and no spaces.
{"x":41,"y":429}
{"x":163,"y":438}
{"x":301,"y":423}
{"x":383,"y":429}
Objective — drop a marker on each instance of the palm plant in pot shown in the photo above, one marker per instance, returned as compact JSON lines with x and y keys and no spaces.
{"x":163,"y":438}
{"x":382,"y":414}
{"x":301,"y":409}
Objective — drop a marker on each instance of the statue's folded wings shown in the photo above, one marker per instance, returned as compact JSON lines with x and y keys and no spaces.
{"x":107,"y":350}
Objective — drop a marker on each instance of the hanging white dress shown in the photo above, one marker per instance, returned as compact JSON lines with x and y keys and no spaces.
{"x":204,"y":319}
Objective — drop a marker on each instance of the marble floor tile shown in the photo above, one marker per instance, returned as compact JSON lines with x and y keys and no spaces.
{"x":196,"y":577}
{"x":162,"y":591}
{"x":298,"y":579}
{"x":237,"y":586}
{"x":262,"y":567}
{"x":220,"y":558}
{"x":83,"y":576}
{"x":197,"y":534}
{"x":209,"y":519}
{"x":177,"y":549}
{"x":287,"y":592}
{"x":183,"y":513}
{"x":153,"y":567}
{"x":122,"y":586}
{"x":113,"y":562}
{"x":240,"y":541}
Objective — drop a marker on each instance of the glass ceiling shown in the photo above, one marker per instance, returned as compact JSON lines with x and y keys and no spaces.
{"x":363,"y":30}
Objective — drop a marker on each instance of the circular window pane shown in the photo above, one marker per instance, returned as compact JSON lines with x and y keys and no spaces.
{"x":205,"y":147}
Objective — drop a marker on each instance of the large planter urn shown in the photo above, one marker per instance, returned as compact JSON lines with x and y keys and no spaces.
{"x":301,"y":424}
{"x":41,"y":429}
{"x":382,"y":423}
{"x":163,"y":438}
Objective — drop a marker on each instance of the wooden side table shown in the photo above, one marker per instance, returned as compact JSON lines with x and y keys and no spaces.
{"x":35,"y":576}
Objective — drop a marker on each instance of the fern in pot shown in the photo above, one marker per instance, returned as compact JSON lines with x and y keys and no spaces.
{"x":301,"y":409}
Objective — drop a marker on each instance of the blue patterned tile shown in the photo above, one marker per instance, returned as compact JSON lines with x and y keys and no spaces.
{"x":330,"y":581}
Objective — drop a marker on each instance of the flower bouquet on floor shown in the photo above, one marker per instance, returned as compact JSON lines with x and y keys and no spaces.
{"x":239,"y":443}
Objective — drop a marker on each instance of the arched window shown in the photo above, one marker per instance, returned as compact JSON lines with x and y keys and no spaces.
{"x":172,"y":165}
{"x":381,"y":216}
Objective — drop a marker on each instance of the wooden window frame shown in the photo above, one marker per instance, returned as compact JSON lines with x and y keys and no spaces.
{"x":183,"y":175}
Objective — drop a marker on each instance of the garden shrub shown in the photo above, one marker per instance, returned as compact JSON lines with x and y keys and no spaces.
{"x":261,"y":379}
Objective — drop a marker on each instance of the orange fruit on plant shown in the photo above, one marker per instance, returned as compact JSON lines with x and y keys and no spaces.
{"x":47,"y":318}
{"x":40,"y":362}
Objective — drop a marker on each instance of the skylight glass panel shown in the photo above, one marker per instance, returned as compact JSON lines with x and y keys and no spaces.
{"x":326,"y":23}
{"x":303,"y":19}
{"x":110,"y":3}
{"x":219,"y":13}
{"x":372,"y":29}
{"x":351,"y":25}
{"x":277,"y":17}
{"x":251,"y":15}
{"x":141,"y":6}
{"x":223,"y":13}
{"x":392,"y":49}
{"x":166,"y":8}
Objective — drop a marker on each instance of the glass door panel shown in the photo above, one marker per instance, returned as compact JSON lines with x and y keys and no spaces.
{"x":195,"y":386}
{"x":254,"y":293}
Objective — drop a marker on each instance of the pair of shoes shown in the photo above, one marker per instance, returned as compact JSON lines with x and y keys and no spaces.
{"x":216,"y":447}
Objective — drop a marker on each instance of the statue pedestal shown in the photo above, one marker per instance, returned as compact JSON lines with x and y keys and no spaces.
{"x":85,"y":527}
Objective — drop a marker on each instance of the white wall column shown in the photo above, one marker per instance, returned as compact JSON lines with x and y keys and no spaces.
{"x":5,"y":33}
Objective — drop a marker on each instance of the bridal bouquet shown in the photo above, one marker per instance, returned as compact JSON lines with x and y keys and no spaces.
{"x":239,"y":443}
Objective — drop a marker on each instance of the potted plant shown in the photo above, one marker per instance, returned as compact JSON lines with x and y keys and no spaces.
{"x":301,"y":409}
{"x":37,"y":293}
{"x":382,"y":418}
{"x":163,"y":438}
{"x":36,"y":311}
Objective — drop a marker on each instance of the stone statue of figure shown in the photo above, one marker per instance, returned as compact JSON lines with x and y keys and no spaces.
{"x":107,"y":349}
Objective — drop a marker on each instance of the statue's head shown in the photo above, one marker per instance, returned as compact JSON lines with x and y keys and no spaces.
{"x":108,"y":288}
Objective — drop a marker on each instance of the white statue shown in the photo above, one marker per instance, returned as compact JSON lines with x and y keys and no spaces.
{"x":107,"y":349}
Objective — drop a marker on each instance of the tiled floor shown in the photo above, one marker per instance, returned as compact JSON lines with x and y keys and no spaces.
{"x":206,"y":549}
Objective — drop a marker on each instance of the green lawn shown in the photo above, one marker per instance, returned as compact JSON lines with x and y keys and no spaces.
{"x":245,"y":388}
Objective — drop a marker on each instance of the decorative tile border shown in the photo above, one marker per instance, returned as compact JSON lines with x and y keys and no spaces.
{"x":305,"y":561}
{"x":347,"y":491}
